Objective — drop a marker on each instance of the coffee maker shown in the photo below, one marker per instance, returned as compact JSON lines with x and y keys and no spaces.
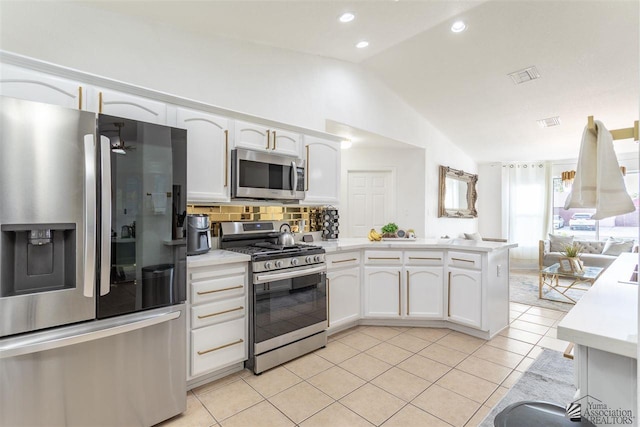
{"x":198,"y":234}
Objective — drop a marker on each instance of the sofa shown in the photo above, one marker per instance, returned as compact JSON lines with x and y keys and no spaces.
{"x":595,"y":253}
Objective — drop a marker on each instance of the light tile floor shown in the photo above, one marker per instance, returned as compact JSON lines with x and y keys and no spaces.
{"x":382,"y":376}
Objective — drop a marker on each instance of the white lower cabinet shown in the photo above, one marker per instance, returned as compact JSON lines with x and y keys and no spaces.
{"x":343,"y":289}
{"x":218,"y":317}
{"x":464,"y":300}
{"x":382,"y":288}
{"x":424,"y":292}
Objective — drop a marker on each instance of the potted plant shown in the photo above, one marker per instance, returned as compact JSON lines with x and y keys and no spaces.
{"x":572,"y":254}
{"x":389,"y":230}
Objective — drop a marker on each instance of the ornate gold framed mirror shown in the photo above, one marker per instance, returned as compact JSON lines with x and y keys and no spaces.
{"x":457,"y":198}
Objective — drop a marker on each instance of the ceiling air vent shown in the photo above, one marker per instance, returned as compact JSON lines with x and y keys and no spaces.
{"x":524,"y":75}
{"x":549,"y":122}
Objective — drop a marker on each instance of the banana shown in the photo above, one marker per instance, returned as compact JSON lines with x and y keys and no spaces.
{"x":374,"y":236}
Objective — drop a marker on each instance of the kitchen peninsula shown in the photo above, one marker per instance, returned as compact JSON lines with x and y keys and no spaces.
{"x":604,"y":328}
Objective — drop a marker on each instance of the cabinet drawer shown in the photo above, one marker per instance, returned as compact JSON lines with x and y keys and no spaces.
{"x":341,"y":260}
{"x":465,"y":260}
{"x":217,"y":346}
{"x":217,"y":312}
{"x":424,"y":258}
{"x":383,"y":257}
{"x":215,"y":289}
{"x":204,"y":273}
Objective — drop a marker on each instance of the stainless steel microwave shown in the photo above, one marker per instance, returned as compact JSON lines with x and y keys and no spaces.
{"x":263,"y":175}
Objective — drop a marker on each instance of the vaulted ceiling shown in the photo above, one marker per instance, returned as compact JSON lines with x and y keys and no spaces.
{"x":586,"y":53}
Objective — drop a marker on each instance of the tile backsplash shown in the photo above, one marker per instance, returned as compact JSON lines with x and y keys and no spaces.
{"x":291,"y":214}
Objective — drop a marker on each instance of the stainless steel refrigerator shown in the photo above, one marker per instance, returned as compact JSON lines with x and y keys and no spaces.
{"x":92,"y":275}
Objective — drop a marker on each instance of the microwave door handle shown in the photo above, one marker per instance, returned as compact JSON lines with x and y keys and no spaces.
{"x":105,"y":224}
{"x":89,"y":215}
{"x":294,"y":172}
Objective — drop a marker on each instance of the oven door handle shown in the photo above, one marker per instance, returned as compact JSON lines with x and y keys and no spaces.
{"x":270,"y":277}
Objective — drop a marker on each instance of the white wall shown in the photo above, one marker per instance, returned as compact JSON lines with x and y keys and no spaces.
{"x":490,"y":210}
{"x":277,"y":84}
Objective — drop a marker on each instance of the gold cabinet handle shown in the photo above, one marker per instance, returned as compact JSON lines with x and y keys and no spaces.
{"x":79,"y":97}
{"x":200,"y":353}
{"x":463,"y":260}
{"x":568,"y":351}
{"x":408,"y":290}
{"x":221,"y":312}
{"x":220,"y":290}
{"x":268,"y":140}
{"x":275,"y":141}
{"x":328,"y":302}
{"x":307,"y":170}
{"x":100,"y":102}
{"x":226,"y":157}
{"x":344,"y":260}
{"x":399,"y":293}
{"x":373,"y":257}
{"x":449,"y":296}
{"x":426,"y":258}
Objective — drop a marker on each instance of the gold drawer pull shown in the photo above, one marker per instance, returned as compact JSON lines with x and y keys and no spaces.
{"x":568,"y":352}
{"x":220,"y":290}
{"x":344,"y":260}
{"x":200,"y":353}
{"x":425,"y":258}
{"x":220,"y":312}
{"x":373,"y":257}
{"x":463,"y":260}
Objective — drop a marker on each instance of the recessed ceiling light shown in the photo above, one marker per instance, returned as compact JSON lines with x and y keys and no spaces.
{"x":549,"y":122}
{"x":346,"y":144}
{"x":362,"y":44}
{"x":347,"y":17}
{"x":458,"y":27}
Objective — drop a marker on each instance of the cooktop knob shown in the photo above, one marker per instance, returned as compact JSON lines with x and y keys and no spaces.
{"x":317,"y":258}
{"x":294,"y":261}
{"x":268,"y":265}
{"x":279,"y":264}
{"x":308,"y":259}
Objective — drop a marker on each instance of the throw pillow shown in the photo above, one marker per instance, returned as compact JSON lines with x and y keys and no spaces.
{"x":559,"y":242}
{"x":473,"y":236}
{"x":616,"y":247}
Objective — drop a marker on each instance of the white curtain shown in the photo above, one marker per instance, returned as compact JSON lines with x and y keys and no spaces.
{"x":527,"y":208}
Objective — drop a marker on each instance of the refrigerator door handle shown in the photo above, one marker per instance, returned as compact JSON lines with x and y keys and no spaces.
{"x":105,"y":222}
{"x":89,"y":215}
{"x":85,"y":336}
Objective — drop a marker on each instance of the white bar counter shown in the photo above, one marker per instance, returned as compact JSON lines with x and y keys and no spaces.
{"x":606,"y":318}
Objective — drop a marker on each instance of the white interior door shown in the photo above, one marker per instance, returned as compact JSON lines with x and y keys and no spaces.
{"x":371,"y":201}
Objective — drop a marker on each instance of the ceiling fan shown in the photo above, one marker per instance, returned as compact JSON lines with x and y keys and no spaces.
{"x":117,"y":143}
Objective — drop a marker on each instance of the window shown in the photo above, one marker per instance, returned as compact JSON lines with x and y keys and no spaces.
{"x":578,"y":222}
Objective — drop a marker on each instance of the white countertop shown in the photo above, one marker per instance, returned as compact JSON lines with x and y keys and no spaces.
{"x":216,"y":257}
{"x":606,"y":317}
{"x":363,"y":243}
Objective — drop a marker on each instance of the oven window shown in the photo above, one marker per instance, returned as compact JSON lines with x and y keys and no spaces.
{"x":264,"y":175}
{"x":284,"y":306}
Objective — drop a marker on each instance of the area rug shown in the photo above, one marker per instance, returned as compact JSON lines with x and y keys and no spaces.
{"x":548,"y":379}
{"x":523,"y":288}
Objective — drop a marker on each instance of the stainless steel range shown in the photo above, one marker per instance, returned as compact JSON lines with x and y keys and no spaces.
{"x":288,"y":304}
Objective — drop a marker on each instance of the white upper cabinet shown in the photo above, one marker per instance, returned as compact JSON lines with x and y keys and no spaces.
{"x":22,"y":83}
{"x":133,"y":107}
{"x":208,"y":155}
{"x":268,"y":139}
{"x":322,"y":171}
